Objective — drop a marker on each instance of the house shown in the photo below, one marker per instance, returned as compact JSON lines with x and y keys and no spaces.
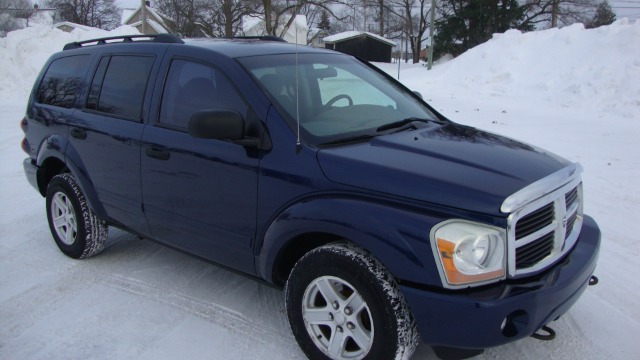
{"x":69,"y":26}
{"x":317,"y":36}
{"x":43,"y":16}
{"x":156,"y":22}
{"x":363,"y":44}
{"x":296,"y":33}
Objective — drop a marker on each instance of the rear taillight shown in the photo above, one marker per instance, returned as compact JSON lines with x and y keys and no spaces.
{"x":24,"y":144}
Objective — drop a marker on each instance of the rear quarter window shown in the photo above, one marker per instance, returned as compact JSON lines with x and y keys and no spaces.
{"x":63,"y":82}
{"x":119,"y":85}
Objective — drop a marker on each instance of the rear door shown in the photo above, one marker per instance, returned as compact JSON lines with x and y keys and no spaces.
{"x":199,"y":194}
{"x":105,"y":135}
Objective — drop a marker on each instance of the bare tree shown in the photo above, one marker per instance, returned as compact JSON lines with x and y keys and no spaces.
{"x":104,"y":14}
{"x":218,"y":18}
{"x":185,"y":13}
{"x":279,"y":15}
{"x":558,"y":12}
{"x":413,"y":16}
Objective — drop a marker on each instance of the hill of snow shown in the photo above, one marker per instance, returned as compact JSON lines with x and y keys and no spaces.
{"x":23,"y":52}
{"x":573,"y":91}
{"x":571,"y":66}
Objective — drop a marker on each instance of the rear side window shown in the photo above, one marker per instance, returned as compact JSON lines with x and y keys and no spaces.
{"x":119,"y":84}
{"x":62,"y":84}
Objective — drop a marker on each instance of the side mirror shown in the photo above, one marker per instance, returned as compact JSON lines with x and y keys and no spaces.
{"x":217,"y":124}
{"x":418,"y":95}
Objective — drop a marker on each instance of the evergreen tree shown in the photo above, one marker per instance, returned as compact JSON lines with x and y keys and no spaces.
{"x":604,"y":16}
{"x":325,"y":23}
{"x":467,"y":23}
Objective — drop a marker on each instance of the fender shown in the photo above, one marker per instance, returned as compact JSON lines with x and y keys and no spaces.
{"x":57,"y":146}
{"x":77,"y":168}
{"x":387,"y":230}
{"x":51,"y":147}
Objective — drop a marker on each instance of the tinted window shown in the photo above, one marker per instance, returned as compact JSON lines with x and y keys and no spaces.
{"x":62,"y":83}
{"x":123,"y":85}
{"x":191,"y":87}
{"x":96,"y":84}
{"x":334,"y":97}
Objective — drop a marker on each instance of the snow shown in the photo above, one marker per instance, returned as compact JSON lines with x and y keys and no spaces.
{"x":127,"y":14}
{"x":352,"y":34}
{"x":573,"y":91}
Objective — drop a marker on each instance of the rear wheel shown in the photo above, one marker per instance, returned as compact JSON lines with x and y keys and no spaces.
{"x":78,"y":232}
{"x":343,"y":304}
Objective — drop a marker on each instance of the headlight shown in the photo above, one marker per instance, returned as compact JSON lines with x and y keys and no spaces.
{"x":469,"y":253}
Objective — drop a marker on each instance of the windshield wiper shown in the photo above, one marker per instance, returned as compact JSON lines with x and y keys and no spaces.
{"x":352,"y":139}
{"x":402,"y":124}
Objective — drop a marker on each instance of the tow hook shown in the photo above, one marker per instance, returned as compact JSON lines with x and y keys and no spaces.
{"x":545,"y":333}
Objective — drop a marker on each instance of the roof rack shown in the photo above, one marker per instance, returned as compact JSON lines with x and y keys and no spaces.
{"x":264,"y":38}
{"x":159,"y":38}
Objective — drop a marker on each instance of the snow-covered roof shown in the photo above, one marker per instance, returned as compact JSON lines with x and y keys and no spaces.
{"x":126,"y":15}
{"x":354,"y":34}
{"x":301,"y":21}
{"x":249,"y":22}
{"x":157,"y":27}
{"x":297,"y":31}
{"x":73,"y":25}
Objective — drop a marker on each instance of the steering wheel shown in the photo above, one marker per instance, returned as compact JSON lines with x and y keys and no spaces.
{"x":339,"y":97}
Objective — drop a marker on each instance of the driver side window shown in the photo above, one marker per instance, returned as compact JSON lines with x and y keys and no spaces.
{"x":333,"y":89}
{"x":191,"y":87}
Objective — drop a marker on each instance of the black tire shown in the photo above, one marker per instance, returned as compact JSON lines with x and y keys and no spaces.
{"x":78,"y":232}
{"x":383,"y":322}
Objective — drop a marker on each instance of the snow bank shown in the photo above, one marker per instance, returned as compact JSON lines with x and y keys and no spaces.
{"x":571,"y":91}
{"x":572,"y":65}
{"x":23,"y":52}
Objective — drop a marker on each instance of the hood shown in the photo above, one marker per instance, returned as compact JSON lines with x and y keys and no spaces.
{"x":450,"y":165}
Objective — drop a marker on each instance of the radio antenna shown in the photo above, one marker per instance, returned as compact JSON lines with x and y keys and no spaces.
{"x":295,"y":28}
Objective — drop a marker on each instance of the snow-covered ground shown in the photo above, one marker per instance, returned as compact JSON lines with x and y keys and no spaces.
{"x":575,"y":92}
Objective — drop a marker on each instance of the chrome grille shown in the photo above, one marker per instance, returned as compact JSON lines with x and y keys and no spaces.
{"x":533,"y":252}
{"x":545,"y":228}
{"x":534,"y":221}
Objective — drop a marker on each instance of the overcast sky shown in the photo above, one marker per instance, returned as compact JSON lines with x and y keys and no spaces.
{"x":622,"y":8}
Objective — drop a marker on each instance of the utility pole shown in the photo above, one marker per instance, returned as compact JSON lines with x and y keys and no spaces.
{"x":364,"y":11}
{"x":143,"y":15}
{"x":431,"y":26}
{"x":554,"y":14}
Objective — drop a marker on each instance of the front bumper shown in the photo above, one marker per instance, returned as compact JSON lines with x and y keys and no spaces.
{"x":495,"y":315}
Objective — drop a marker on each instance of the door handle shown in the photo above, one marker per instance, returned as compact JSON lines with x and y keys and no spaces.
{"x":157,"y":153}
{"x":78,"y":133}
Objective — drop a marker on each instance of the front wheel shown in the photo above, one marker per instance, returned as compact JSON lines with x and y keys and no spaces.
{"x":343,"y":304}
{"x":78,"y":232}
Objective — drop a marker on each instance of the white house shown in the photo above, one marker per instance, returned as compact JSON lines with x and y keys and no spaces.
{"x":157,"y":23}
{"x":296,"y":33}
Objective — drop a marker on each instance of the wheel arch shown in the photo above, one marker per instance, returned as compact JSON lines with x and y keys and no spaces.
{"x":57,"y":156}
{"x":295,"y":249}
{"x":396,"y":236}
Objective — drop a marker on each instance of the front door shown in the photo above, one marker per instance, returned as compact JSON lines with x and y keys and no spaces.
{"x":199,"y":194}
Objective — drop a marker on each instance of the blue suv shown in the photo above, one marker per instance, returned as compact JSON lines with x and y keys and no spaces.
{"x":318,"y":173}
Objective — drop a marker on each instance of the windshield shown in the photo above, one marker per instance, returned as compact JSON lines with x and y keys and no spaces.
{"x":338,"y":98}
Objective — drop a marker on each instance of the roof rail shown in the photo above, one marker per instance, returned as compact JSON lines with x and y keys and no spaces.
{"x":264,"y":38}
{"x":159,"y":38}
